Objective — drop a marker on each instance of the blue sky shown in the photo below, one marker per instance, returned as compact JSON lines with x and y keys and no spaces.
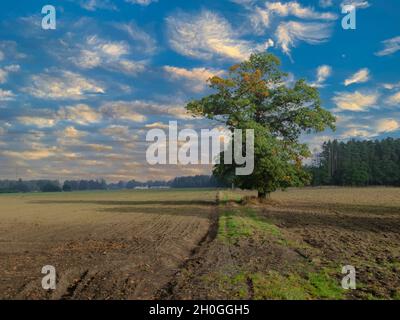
{"x":76,"y":102}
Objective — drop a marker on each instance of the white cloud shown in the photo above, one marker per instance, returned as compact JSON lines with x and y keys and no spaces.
{"x":356,"y":133}
{"x":111,"y":55}
{"x":143,"y":41}
{"x":359,"y":4}
{"x":243,"y":2}
{"x":87,"y":59}
{"x":315,"y":143}
{"x":3,"y":76}
{"x":390,"y":46}
{"x":12,"y":68}
{"x":378,"y":127}
{"x":196,"y":78}
{"x":93,"y":5}
{"x":391,"y":86}
{"x":6,"y":95}
{"x":80,"y":113}
{"x":294,"y":8}
{"x":118,"y":133}
{"x":157,"y":125}
{"x":260,"y":20}
{"x":207,"y":36}
{"x":323,"y":72}
{"x":141,"y":2}
{"x":36,"y":154}
{"x":99,"y":147}
{"x":394,"y":99}
{"x":387,"y":125}
{"x":122,"y":111}
{"x":360,"y":76}
{"x":137,"y":109}
{"x":128,"y":67}
{"x":70,"y":136}
{"x":326,"y":3}
{"x":4,"y":72}
{"x":109,"y":49}
{"x":72,"y":133}
{"x":37,"y":121}
{"x":356,"y":101}
{"x":289,"y":33}
{"x":261,"y":17}
{"x":9,"y":50}
{"x":64,"y":85}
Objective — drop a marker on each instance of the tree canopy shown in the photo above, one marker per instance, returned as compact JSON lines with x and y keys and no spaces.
{"x":255,"y":94}
{"x":358,"y":163}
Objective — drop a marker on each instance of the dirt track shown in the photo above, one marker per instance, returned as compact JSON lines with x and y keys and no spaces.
{"x":124,"y":245}
{"x":296,"y":246}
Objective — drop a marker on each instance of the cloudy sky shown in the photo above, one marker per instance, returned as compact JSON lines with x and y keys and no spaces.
{"x":77,"y":102}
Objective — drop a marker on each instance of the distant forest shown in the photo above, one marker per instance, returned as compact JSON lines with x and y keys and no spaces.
{"x":352,"y":163}
{"x":13,"y":186}
{"x":358,"y":163}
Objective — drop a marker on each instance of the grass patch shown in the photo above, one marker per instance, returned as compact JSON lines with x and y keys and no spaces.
{"x":229,"y":196}
{"x":396,"y":296}
{"x":275,"y":286}
{"x":261,"y":224}
{"x":244,"y":222}
{"x":294,"y":287}
{"x":232,"y":227}
{"x":324,"y":286}
{"x":238,"y":284}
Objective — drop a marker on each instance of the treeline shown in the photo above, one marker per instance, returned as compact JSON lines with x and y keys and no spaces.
{"x":83,"y":185}
{"x":10,"y":186}
{"x":13,"y":186}
{"x":132,"y":184}
{"x":199,"y":181}
{"x":196,"y":182}
{"x":358,"y":163}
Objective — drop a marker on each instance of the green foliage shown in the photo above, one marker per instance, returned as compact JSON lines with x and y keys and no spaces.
{"x":255,"y":96}
{"x":358,"y":163}
{"x":51,"y":187}
{"x":17,"y":186}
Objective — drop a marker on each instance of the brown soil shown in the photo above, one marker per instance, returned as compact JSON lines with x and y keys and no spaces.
{"x":124,"y":246}
{"x":320,"y":230}
{"x":170,"y":244}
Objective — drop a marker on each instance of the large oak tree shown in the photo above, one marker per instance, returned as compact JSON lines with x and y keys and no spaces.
{"x":256,"y":95}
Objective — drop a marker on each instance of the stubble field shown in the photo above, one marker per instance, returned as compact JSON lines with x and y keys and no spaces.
{"x":104,"y":245}
{"x":201,"y":244}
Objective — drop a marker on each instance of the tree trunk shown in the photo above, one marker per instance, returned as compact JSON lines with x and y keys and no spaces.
{"x":262,"y":195}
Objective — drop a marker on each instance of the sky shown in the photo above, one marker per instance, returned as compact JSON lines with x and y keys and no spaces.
{"x":76,"y":102}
